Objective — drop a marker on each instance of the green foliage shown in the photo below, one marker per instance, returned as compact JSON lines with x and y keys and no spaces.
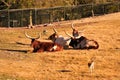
{"x":18,"y":4}
{"x":83,"y":1}
{"x":47,"y":15}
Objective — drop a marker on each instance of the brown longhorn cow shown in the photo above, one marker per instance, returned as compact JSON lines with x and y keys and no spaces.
{"x":54,"y":35}
{"x":39,"y":46}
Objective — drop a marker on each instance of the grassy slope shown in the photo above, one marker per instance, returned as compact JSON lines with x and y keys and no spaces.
{"x":16,"y":63}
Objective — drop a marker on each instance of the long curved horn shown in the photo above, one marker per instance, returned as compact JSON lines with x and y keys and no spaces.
{"x":31,"y":37}
{"x":28,"y":36}
{"x":37,"y":36}
{"x":82,"y":31}
{"x":72,"y":26}
{"x":54,"y":30}
{"x":68,"y":34}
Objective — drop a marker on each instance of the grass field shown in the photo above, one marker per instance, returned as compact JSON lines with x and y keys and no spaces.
{"x":17,"y":63}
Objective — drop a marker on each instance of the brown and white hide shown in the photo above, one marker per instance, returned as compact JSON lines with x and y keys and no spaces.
{"x":39,"y":46}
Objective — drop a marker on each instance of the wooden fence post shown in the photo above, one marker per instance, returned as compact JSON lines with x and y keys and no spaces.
{"x":8,"y":18}
{"x":92,"y":10}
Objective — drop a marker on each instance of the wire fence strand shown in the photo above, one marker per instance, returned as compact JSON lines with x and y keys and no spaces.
{"x":21,"y":17}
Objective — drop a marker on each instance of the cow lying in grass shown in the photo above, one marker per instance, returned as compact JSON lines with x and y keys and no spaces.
{"x":82,"y":42}
{"x":59,"y":39}
{"x":39,"y":46}
{"x":76,"y":40}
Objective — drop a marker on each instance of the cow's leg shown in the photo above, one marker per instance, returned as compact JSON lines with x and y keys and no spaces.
{"x":91,"y":44}
{"x":56,"y":48}
{"x":77,"y":46}
{"x":34,"y":50}
{"x":40,"y":50}
{"x":53,"y":48}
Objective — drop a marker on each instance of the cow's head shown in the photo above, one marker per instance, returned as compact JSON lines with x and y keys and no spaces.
{"x":74,"y":41}
{"x":75,"y":32}
{"x":54,"y":35}
{"x":33,"y":39}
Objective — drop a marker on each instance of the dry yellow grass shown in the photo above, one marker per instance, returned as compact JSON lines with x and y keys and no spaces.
{"x":16,"y":63}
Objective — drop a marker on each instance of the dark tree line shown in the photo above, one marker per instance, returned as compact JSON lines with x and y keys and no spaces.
{"x":18,"y":4}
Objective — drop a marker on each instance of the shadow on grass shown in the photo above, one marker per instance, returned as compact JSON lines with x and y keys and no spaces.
{"x":24,"y":51}
{"x":83,"y":74}
{"x":64,"y":70}
{"x":22,"y":43}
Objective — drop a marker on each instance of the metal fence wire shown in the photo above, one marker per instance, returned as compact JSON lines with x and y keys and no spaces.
{"x":21,"y":17}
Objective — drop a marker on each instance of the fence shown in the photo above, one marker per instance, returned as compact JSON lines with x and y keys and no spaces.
{"x":21,"y":17}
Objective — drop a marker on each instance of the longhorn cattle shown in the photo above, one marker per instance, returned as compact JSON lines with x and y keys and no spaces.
{"x":79,"y":41}
{"x":59,"y":39}
{"x":82,"y":43}
{"x":76,"y":40}
{"x":39,"y":46}
{"x":63,"y":41}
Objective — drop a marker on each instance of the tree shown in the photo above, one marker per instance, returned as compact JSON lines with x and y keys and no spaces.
{"x":4,"y":4}
{"x":15,"y":4}
{"x":83,"y":1}
{"x":18,"y":4}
